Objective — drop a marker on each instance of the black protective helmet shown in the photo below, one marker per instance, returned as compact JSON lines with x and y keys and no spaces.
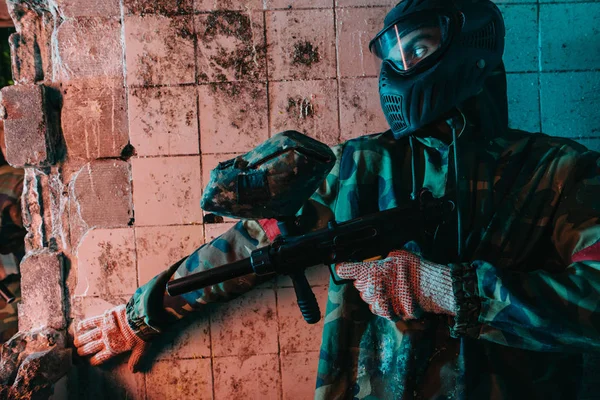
{"x":435,"y":54}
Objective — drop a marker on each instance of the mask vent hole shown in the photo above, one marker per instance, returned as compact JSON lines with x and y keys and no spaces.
{"x":485,"y":38}
{"x":393,"y":109}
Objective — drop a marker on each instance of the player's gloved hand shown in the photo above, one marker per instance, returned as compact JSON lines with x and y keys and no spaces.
{"x":105,"y":336}
{"x":402,"y":285}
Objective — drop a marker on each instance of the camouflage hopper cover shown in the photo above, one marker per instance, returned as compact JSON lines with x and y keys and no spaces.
{"x":273,"y":180}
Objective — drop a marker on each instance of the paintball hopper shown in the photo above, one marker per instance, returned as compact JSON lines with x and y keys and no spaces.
{"x":271,"y":181}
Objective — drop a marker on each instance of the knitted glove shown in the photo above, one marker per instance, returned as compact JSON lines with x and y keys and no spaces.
{"x":107,"y":335}
{"x":402,"y":286}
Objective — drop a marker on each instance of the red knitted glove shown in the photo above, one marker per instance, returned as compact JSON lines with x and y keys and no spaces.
{"x":403,"y":285}
{"x":107,"y":335}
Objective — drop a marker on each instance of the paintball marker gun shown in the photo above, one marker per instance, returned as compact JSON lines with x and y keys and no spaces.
{"x":274,"y":181}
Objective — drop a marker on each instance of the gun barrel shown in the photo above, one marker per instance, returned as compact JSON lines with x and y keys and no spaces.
{"x":209,"y":277}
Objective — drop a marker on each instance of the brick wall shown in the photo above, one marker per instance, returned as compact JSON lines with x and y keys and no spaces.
{"x":188,"y":87}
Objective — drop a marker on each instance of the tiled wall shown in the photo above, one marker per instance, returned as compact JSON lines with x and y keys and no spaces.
{"x":189,"y":87}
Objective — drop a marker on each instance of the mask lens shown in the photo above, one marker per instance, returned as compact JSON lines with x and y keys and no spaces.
{"x":409,"y":42}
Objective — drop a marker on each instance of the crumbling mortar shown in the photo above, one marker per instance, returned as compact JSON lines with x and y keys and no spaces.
{"x":33,"y":210}
{"x":45,"y":206}
{"x":59,"y":203}
{"x":57,"y":64}
{"x":73,"y":200}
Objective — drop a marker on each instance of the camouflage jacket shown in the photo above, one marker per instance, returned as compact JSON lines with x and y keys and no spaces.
{"x":527,"y":281}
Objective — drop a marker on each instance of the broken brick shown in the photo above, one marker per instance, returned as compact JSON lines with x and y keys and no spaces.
{"x":29,"y":129}
{"x":42,"y":291}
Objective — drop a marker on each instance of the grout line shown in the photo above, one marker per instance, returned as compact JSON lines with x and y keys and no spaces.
{"x":126,"y":90}
{"x":276,"y":292}
{"x":337,"y":74}
{"x":268,"y":81}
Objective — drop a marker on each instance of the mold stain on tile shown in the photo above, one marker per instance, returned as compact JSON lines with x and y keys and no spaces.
{"x":305,"y":53}
{"x":246,"y":60}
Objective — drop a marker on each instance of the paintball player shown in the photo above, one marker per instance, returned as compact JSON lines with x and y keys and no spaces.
{"x":501,"y":302}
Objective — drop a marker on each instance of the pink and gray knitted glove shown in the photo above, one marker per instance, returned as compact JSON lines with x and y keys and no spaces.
{"x":402,"y":285}
{"x":107,"y":335}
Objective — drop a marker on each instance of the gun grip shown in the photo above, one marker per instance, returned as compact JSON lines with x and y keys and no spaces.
{"x":306,"y":298}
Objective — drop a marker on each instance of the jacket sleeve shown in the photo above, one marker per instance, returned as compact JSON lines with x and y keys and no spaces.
{"x":542,"y":310}
{"x":150,"y":310}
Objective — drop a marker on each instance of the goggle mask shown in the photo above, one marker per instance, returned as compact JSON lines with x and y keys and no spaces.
{"x":415,"y":42}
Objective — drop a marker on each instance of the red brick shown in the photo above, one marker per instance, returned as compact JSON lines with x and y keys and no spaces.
{"x":233,"y":116}
{"x":89,"y":8}
{"x":161,"y":246}
{"x":167,"y":190}
{"x":101,"y":194}
{"x":360,"y":108}
{"x":94,"y":122}
{"x":310,"y":107}
{"x":31,"y":48}
{"x":299,"y":375}
{"x":164,"y":121}
{"x":90,"y":52}
{"x":4,"y":16}
{"x":180,"y":380}
{"x":42,"y":291}
{"x":355,"y":29}
{"x":106,"y":263}
{"x":246,"y":326}
{"x":159,"y":50}
{"x":231,"y":46}
{"x":301,"y":44}
{"x":30,"y":132}
{"x":255,"y":377}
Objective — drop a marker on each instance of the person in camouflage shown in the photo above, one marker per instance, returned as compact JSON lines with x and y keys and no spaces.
{"x":513,"y":304}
